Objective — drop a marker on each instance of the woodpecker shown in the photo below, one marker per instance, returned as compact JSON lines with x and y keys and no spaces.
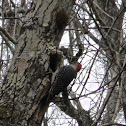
{"x":63,"y":78}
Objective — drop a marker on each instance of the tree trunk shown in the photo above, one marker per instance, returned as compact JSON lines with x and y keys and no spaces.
{"x":28,"y":79}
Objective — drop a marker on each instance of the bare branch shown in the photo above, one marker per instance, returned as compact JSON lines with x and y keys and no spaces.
{"x":121,"y":14}
{"x":7,"y":43}
{"x":8,"y":35}
{"x":107,"y":97}
{"x":82,"y":116}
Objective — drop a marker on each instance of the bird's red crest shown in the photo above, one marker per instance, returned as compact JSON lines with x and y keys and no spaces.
{"x":79,"y":66}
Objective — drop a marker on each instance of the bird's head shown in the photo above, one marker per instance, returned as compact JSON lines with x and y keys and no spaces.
{"x":77,"y":66}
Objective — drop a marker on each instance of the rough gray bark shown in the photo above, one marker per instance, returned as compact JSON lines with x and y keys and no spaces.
{"x":28,"y":79}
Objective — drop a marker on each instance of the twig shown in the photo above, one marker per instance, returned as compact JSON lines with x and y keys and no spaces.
{"x":107,"y":98}
{"x":7,"y":43}
{"x":8,"y":35}
{"x":103,"y":11}
{"x":120,"y":95}
{"x":90,"y":71}
{"x":117,"y":17}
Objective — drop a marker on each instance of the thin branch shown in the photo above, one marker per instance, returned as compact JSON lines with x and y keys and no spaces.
{"x":8,"y":35}
{"x":107,"y":97}
{"x":89,"y":71}
{"x":81,"y":116}
{"x":12,"y":13}
{"x":103,"y":11}
{"x":7,"y":43}
{"x":117,"y":108}
{"x":117,"y":17}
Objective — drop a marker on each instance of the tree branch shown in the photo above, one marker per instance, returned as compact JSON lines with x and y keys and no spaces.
{"x":7,"y":43}
{"x":10,"y":38}
{"x":82,"y":116}
{"x":107,"y":97}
